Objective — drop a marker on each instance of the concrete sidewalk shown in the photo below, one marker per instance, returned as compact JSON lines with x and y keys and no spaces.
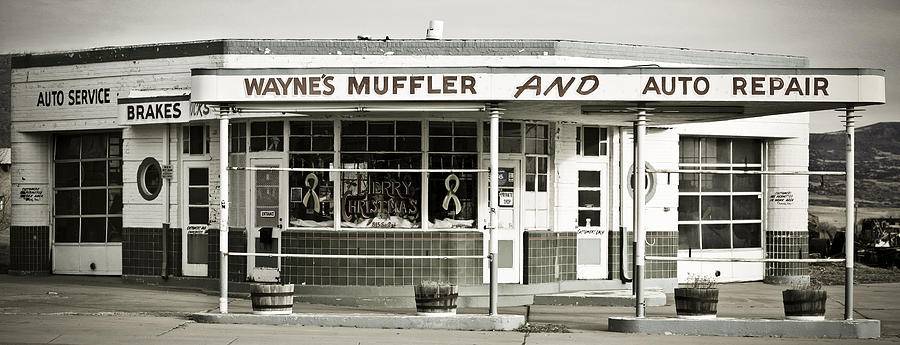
{"x":69,"y":309}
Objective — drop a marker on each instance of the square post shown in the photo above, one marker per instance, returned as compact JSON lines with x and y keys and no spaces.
{"x":493,"y":201}
{"x":223,"y":211}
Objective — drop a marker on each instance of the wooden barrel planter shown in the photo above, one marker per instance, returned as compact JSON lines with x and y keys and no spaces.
{"x":804,"y":304}
{"x":696,"y":303}
{"x":436,"y":299}
{"x":272,"y":299}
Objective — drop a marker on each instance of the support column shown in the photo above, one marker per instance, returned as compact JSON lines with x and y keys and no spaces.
{"x":640,"y":174}
{"x":850,"y":232}
{"x":494,"y":199}
{"x":223,"y":212}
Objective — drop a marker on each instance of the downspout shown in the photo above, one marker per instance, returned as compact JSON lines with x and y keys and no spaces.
{"x":623,"y":230}
{"x":167,"y":221}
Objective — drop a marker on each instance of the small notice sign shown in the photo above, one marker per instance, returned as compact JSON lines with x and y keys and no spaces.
{"x":166,"y":171}
{"x":197,"y":229}
{"x":267,"y":214}
{"x":506,"y":199}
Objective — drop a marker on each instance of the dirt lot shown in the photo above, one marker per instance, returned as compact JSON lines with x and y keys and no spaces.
{"x":833,"y":274}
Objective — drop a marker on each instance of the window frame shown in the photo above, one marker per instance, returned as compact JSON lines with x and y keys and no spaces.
{"x":186,"y":139}
{"x":428,"y":153}
{"x":699,"y":193}
{"x":80,"y":188}
{"x":334,"y":176}
{"x":424,"y":152}
{"x":602,"y":143}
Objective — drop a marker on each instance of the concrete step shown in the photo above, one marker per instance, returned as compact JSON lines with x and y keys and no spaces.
{"x":604,"y":298}
{"x":408,"y":301}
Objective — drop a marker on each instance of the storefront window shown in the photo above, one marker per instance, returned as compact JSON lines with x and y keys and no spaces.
{"x":381,"y":199}
{"x":591,"y":141}
{"x":237,"y":137}
{"x":311,"y":145}
{"x":719,"y":211}
{"x":195,"y":140}
{"x":267,"y":136}
{"x":452,"y":197}
{"x":88,"y":188}
{"x":510,"y":139}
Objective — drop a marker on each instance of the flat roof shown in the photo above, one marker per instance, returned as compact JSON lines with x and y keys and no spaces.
{"x":414,"y":47}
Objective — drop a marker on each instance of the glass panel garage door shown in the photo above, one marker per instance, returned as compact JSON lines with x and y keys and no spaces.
{"x":87,"y":210}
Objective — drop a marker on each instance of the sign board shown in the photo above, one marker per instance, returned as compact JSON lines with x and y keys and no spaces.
{"x":506,"y":199}
{"x":539,"y":83}
{"x":167,"y":171}
{"x":162,"y":109}
{"x":197,"y":229}
{"x":267,"y":214}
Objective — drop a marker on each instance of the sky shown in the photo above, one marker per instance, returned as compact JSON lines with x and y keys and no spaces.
{"x":831,"y":33}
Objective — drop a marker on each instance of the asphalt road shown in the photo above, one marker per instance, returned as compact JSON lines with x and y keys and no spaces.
{"x":86,"y":310}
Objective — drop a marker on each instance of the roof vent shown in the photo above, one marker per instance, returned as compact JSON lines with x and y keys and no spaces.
{"x":435,"y":30}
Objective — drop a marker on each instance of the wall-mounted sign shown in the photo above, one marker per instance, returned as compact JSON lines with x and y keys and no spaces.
{"x":267,"y":214}
{"x":31,"y":194}
{"x":197,"y":229}
{"x":541,"y":83}
{"x":162,"y":109}
{"x":783,"y":198}
{"x":73,"y":97}
{"x":167,"y":171}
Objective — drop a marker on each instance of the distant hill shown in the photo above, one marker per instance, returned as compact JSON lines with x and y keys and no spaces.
{"x":877,"y":166}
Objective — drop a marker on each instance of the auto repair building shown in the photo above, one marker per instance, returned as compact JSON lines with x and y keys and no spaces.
{"x":116,"y":160}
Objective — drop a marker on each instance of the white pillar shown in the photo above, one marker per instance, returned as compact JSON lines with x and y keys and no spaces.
{"x":850,"y":232}
{"x":223,"y":212}
{"x":493,"y":202}
{"x":640,"y":174}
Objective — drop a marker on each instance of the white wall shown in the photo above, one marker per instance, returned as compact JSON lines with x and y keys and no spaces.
{"x":32,"y":126}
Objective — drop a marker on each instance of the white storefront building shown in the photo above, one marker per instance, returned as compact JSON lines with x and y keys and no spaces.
{"x":369,"y":151}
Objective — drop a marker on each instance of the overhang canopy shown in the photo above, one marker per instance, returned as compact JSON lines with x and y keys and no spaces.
{"x":678,"y":95}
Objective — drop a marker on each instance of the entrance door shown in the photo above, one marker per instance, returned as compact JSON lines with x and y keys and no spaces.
{"x":195,"y":238}
{"x":266,"y":219}
{"x":593,"y":220}
{"x":509,"y":229}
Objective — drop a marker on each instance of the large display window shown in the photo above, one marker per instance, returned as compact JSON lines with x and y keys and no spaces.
{"x":333,"y":199}
{"x":311,"y":194}
{"x":381,"y":199}
{"x":452,"y":196}
{"x":719,"y":211}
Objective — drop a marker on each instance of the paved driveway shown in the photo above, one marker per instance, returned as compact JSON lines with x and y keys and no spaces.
{"x":93,"y":310}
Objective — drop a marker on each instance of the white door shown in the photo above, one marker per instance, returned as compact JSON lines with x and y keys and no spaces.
{"x":509,"y":230}
{"x":266,"y":218}
{"x":593,"y":220}
{"x":195,"y":215}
